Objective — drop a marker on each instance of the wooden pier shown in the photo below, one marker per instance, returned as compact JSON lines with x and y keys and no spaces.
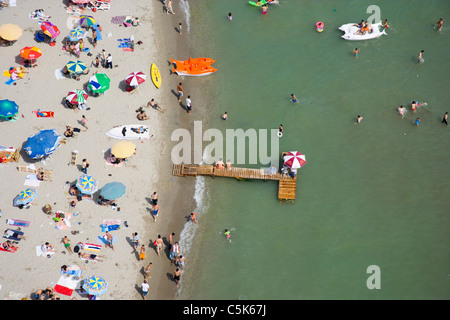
{"x":286,"y":187}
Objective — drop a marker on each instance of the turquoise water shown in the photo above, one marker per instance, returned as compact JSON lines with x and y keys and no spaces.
{"x":370,"y":194}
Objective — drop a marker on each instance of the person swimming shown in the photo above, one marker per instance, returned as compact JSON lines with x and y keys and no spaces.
{"x":293,"y":98}
{"x":227,"y":233}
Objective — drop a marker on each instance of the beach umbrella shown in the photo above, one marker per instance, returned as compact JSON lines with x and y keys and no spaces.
{"x":42,"y":143}
{"x":86,"y":21}
{"x":50,"y":29}
{"x":76,"y":66}
{"x":135,"y":78}
{"x":113,"y":190}
{"x":25,"y":197}
{"x":76,"y":96}
{"x":30,"y":53}
{"x":76,"y":34}
{"x":123,"y":149}
{"x":294,"y":159}
{"x":80,"y":1}
{"x":10,"y":32}
{"x":95,"y":285}
{"x":8,"y":109}
{"x":87,"y":184}
{"x":99,"y":83}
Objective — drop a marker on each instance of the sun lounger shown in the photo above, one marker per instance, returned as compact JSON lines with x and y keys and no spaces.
{"x":15,"y":222}
{"x":13,"y":234}
{"x":102,"y":5}
{"x":74,"y":157}
{"x":26,"y":169}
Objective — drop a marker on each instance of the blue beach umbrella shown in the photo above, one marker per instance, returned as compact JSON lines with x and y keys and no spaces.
{"x":8,"y":109}
{"x":25,"y":197}
{"x":113,"y":190}
{"x":76,"y":34}
{"x":42,"y":143}
{"x":76,"y":66}
{"x":87,"y":184}
{"x":95,"y":285}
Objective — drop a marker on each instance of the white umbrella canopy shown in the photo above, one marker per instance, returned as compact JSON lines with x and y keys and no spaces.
{"x":294,"y":159}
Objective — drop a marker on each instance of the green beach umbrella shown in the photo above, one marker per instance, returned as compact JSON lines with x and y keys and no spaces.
{"x":8,"y":109}
{"x":76,"y":66}
{"x":99,"y":83}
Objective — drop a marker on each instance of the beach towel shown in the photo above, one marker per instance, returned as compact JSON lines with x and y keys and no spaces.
{"x":63,"y":224}
{"x":10,"y":81}
{"x":12,"y":3}
{"x":124,"y":43}
{"x":43,"y":114}
{"x":111,"y":224}
{"x":41,"y":253}
{"x":11,"y":234}
{"x":12,"y":249}
{"x":32,"y":181}
{"x":118,"y":19}
{"x":15,"y":222}
{"x":104,"y":241}
{"x":66,"y":285}
{"x":92,"y":247}
{"x":108,"y":162}
{"x":59,"y":74}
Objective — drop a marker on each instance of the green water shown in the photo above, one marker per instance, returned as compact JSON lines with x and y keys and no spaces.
{"x":370,"y":194}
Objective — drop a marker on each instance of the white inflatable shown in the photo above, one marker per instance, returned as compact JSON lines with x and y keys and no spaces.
{"x":351,"y":31}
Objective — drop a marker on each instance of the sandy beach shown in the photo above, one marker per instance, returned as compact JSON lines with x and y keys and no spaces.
{"x":149,"y":170}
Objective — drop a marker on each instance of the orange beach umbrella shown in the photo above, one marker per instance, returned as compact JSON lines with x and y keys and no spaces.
{"x":30,"y":53}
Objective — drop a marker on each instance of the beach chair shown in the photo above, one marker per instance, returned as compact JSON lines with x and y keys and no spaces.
{"x":47,"y":173}
{"x":25,"y":169}
{"x":103,"y":5}
{"x":74,"y":157}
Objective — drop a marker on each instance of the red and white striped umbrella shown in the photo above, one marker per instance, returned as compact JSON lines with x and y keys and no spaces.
{"x":294,"y":159}
{"x":135,"y":78}
{"x":76,"y":96}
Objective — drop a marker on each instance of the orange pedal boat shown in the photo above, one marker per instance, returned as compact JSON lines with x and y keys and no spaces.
{"x":193,"y":67}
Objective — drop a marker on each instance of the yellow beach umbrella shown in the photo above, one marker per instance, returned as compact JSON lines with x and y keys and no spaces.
{"x":10,"y":32}
{"x":123,"y":149}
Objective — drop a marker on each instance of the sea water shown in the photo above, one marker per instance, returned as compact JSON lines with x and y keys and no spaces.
{"x":371,"y":194}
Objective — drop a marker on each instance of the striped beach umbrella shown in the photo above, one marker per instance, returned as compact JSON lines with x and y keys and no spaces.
{"x":86,"y":21}
{"x":294,"y":159}
{"x":99,"y":83}
{"x":76,"y":96}
{"x":8,"y":109}
{"x":30,"y":53}
{"x":50,"y":29}
{"x":95,"y":285}
{"x":87,"y":184}
{"x":25,"y":197}
{"x":42,"y":144}
{"x":135,"y":78}
{"x":76,"y":66}
{"x":76,"y":34}
{"x":10,"y":32}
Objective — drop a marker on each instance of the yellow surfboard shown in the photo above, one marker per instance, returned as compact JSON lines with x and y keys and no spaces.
{"x":156,"y":76}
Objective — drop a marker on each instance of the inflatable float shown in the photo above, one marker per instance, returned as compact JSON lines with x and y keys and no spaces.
{"x":319,"y":26}
{"x":352,"y":32}
{"x":156,"y":76}
{"x":193,"y":67}
{"x":258,"y":3}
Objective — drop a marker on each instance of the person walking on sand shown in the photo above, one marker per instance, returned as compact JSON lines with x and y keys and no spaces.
{"x":174,"y":251}
{"x":420,"y":57}
{"x":440,"y":24}
{"x":135,"y":240}
{"x":142,"y":253}
{"x":155,"y":212}
{"x":180,"y":28}
{"x":180,"y":91}
{"x":169,"y":8}
{"x":444,"y":120}
{"x":147,"y":271}
{"x":145,"y":288}
{"x":65,"y":240}
{"x":159,"y":243}
{"x":154,"y":198}
{"x":84,"y":166}
{"x":176,"y":276}
{"x":109,"y":62}
{"x":188,"y":104}
{"x":84,"y":121}
{"x":181,"y":262}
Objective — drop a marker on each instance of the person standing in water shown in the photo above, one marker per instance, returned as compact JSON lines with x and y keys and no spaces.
{"x":401,"y":111}
{"x":358,"y":119}
{"x":230,"y":17}
{"x":420,"y":57}
{"x":293,"y":98}
{"x":417,"y":122}
{"x":440,"y":24}
{"x":227,"y":233}
{"x":356,"y":52}
{"x":444,"y":120}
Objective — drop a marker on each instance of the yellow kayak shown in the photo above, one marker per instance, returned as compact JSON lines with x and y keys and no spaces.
{"x":156,"y":76}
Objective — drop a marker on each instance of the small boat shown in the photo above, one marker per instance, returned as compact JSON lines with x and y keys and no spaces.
{"x":193,"y":67}
{"x":156,"y":76}
{"x":129,"y":132}
{"x":352,"y":31}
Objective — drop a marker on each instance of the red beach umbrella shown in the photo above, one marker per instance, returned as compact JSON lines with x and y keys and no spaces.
{"x":74,"y":96}
{"x":135,"y":78}
{"x":294,"y":159}
{"x":30,"y":53}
